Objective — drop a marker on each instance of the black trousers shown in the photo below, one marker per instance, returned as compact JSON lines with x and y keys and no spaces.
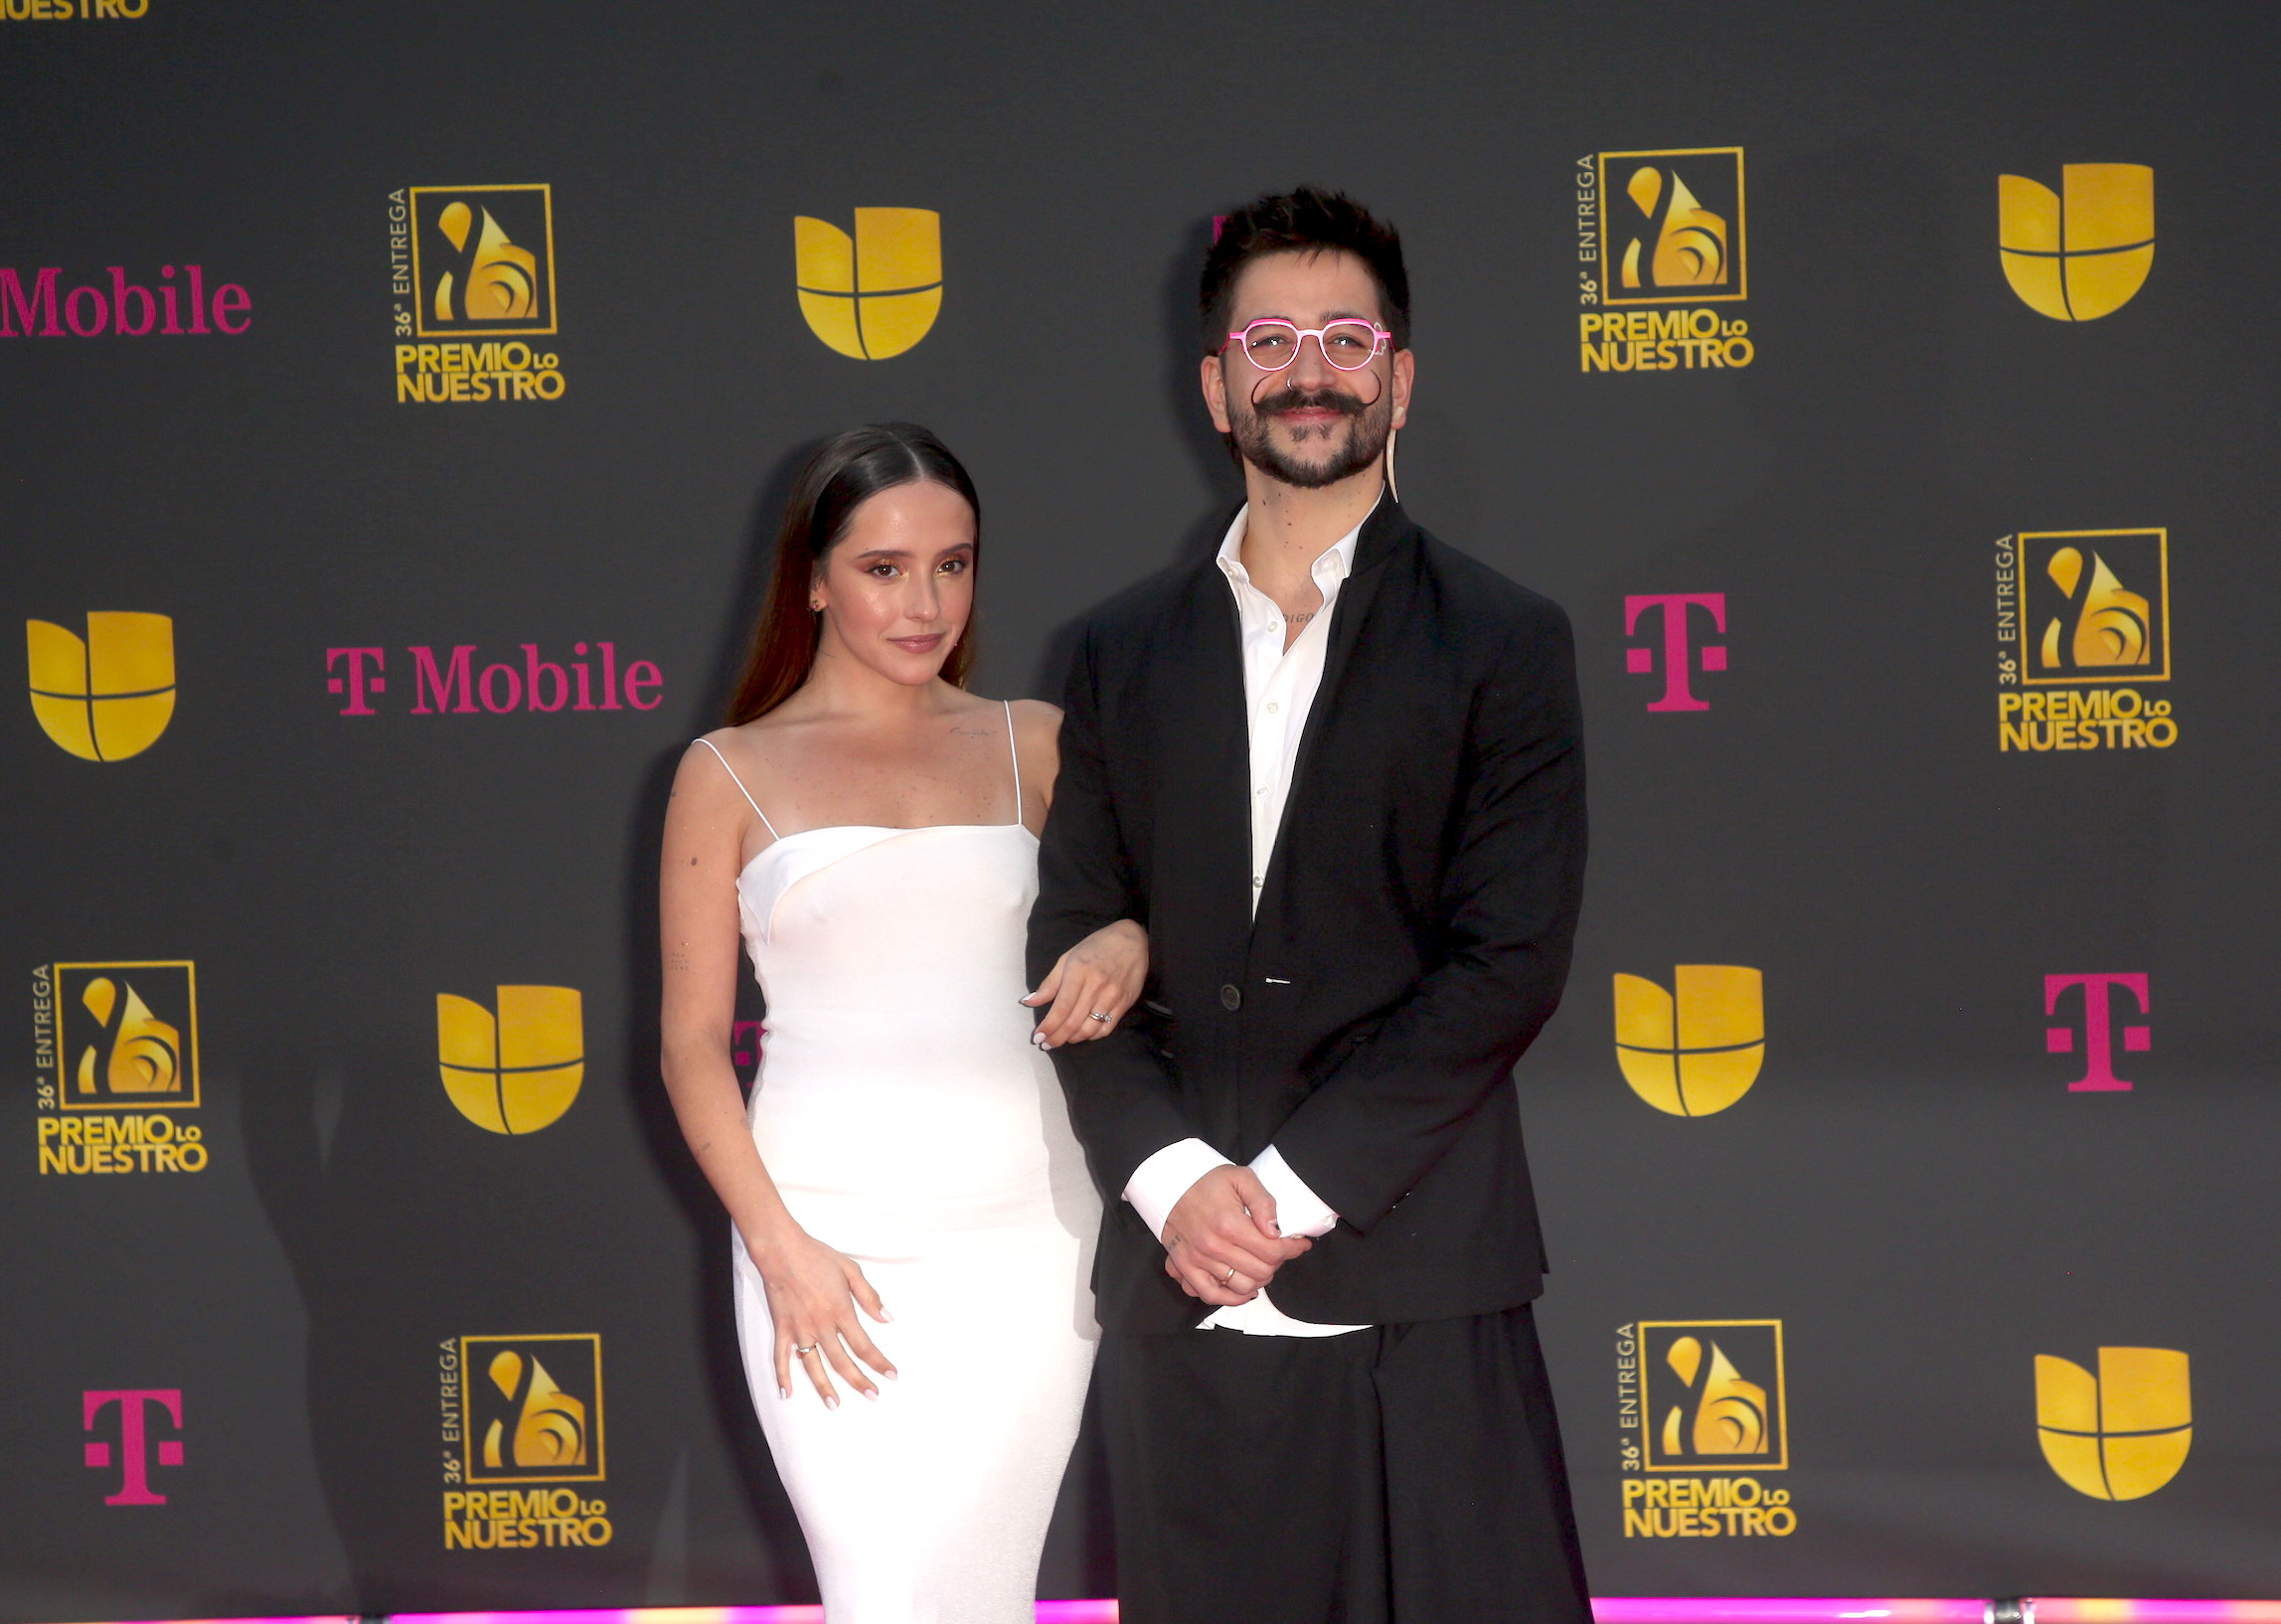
{"x":1407,"y":1474}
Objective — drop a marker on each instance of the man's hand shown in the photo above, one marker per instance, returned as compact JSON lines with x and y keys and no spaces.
{"x":1221,"y":1241}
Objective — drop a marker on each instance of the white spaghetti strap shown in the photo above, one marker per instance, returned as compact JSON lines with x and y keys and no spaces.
{"x":747,"y":793}
{"x":1013,"y":750}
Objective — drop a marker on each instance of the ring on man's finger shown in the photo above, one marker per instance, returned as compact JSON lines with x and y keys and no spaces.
{"x":812,"y":1348}
{"x":1230,"y":1275}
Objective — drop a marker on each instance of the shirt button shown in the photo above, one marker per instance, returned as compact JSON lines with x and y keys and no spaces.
{"x":1230,"y":998}
{"x":1272,"y":707}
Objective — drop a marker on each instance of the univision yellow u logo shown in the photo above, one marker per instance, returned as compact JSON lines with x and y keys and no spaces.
{"x":111,"y":695}
{"x":518,"y":1073}
{"x":2121,"y":1434}
{"x":2084,"y":251}
{"x":874,"y":294}
{"x":1697,"y":1048}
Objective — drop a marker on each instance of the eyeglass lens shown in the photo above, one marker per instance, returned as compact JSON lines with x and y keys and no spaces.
{"x":1274,"y":345}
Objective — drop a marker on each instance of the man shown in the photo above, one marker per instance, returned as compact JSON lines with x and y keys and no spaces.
{"x":1336,"y":771}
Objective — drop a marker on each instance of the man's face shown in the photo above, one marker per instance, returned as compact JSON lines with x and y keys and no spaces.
{"x":1311,"y":423}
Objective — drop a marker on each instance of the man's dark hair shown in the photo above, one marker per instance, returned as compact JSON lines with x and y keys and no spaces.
{"x":1305,"y":220}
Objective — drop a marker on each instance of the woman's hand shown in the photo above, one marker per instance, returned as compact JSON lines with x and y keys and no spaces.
{"x":813,"y":1293}
{"x":1092,"y":985}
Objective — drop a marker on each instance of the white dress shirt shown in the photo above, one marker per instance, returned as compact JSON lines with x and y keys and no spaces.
{"x":1279,"y":687}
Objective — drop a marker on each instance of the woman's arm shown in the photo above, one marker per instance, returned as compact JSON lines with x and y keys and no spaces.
{"x":1092,"y":986}
{"x":812,"y":1289}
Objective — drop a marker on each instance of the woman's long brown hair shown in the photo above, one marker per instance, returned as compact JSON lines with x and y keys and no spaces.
{"x":846,"y":470}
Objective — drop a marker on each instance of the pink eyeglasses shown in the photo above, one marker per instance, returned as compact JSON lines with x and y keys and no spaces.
{"x":1271,"y":344}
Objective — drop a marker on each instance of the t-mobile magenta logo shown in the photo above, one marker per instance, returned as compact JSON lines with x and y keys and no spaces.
{"x":590,"y":681}
{"x":2099,"y":1016}
{"x":1678,"y":651}
{"x":134,"y":1451}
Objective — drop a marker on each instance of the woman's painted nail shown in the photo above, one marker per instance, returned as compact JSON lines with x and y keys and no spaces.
{"x":783,"y":1392}
{"x":872,"y":1393}
{"x":832,"y":1404}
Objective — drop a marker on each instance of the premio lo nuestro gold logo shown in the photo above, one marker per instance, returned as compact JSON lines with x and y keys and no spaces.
{"x":114,"y":1047}
{"x":875,"y":293}
{"x":1702,"y":1412}
{"x":1672,"y":245}
{"x":106,"y":695}
{"x":483,"y":260}
{"x":128,"y":1034}
{"x":2082,"y":629}
{"x":1696,"y":1049}
{"x":2121,"y":1434}
{"x":1664,"y":261}
{"x":471,"y":275}
{"x":519,"y":1069}
{"x":522,"y":1423}
{"x":534,"y":1408}
{"x":2099,"y":605}
{"x":1711,"y":1391}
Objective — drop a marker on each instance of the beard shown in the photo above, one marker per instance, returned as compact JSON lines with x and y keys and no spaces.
{"x":1365,"y":433}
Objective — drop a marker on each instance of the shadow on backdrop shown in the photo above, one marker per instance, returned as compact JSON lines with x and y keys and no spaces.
{"x":1212,"y":459}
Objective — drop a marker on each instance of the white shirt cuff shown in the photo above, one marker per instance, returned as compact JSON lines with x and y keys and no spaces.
{"x":1298,"y":1210}
{"x":1158,"y":1183}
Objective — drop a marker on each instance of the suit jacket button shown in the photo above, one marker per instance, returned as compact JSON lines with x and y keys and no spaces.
{"x":1230,"y":998}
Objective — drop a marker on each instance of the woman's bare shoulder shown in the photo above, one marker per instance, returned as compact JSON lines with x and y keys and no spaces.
{"x":1036,"y":716}
{"x":1032,"y":719}
{"x":729,"y":759}
{"x":1037,"y":728}
{"x":1038,"y":741}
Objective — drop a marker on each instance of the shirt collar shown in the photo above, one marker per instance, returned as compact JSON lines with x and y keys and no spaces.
{"x":1334,"y":565}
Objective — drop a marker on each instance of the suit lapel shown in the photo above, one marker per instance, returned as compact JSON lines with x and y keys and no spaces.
{"x":1203,"y":754}
{"x":1373,"y":548}
{"x":1384,"y":534}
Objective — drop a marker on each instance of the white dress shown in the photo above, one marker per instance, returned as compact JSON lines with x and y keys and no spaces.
{"x":908,"y":1122}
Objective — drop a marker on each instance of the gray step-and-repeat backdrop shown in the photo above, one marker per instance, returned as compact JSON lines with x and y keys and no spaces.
{"x":396,"y":400}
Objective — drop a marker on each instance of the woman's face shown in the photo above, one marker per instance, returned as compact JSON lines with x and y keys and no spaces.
{"x":896,"y":589}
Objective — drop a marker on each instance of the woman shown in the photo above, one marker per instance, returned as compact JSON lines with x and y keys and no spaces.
{"x":868,"y":827}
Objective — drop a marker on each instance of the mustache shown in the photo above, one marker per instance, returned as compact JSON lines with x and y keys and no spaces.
{"x":1293,"y":399}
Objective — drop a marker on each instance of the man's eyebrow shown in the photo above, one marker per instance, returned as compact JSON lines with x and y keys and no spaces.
{"x":1335,"y":315}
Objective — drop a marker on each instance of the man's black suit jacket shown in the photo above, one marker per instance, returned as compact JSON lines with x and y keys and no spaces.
{"x":1412,"y":935}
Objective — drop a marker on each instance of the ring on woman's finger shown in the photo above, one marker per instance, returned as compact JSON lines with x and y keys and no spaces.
{"x":1230,"y":1275}
{"x":812,"y":1348}
{"x":1096,"y":1014}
